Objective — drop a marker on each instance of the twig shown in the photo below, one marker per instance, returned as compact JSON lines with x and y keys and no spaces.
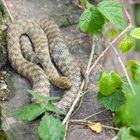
{"x":82,"y":95}
{"x":126,"y":12}
{"x":89,"y":62}
{"x":66,"y":131}
{"x":97,"y":113}
{"x":74,"y":103}
{"x":81,"y":87}
{"x":79,"y":105}
{"x":104,"y":52}
{"x":89,"y":116}
{"x":10,"y":16}
{"x":118,"y":37}
{"x":110,"y":127}
{"x":86,"y":122}
{"x":85,"y":92}
{"x":122,"y":64}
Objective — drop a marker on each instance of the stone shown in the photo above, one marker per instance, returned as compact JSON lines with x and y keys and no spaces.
{"x":66,"y":16}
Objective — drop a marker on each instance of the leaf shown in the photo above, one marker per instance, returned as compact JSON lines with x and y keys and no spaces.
{"x":86,"y":3}
{"x":135,"y":33}
{"x":135,"y":130}
{"x":113,"y":12}
{"x":128,"y":114}
{"x":109,"y":82}
{"x":134,"y":67}
{"x":113,"y":101}
{"x":112,"y":32}
{"x":51,"y":107}
{"x":116,"y":78}
{"x":91,"y":20}
{"x":51,"y":128}
{"x":137,"y":45}
{"x":41,"y":98}
{"x":96,"y":127}
{"x":126,"y":44}
{"x":124,"y":134}
{"x":29,"y":112}
{"x":126,"y":89}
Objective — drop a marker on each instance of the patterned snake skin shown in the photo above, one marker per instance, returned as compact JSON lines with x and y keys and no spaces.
{"x":48,"y":46}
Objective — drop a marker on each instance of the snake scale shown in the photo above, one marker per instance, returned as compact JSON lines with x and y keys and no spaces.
{"x":48,"y":49}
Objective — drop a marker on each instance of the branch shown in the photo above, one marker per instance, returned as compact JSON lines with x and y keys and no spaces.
{"x":74,"y":103}
{"x":122,"y":64}
{"x":7,"y":10}
{"x":82,"y":87}
{"x":89,"y":116}
{"x":88,"y":122}
{"x":105,"y":51}
{"x":126,"y":12}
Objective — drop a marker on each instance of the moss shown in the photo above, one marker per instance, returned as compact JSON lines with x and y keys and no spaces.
{"x":3,"y":52}
{"x":3,"y":135}
{"x":3,"y":55}
{"x":4,"y":93}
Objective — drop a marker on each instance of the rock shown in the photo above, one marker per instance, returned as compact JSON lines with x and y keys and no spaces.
{"x":67,"y":16}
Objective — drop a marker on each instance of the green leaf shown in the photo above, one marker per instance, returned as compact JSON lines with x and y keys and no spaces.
{"x":41,"y":98}
{"x":112,"y":32}
{"x":126,"y":89}
{"x":134,"y":67}
{"x":113,"y":101}
{"x":137,"y":45}
{"x":124,"y":134}
{"x":135,"y":130}
{"x":116,"y":78}
{"x":113,"y":12}
{"x":135,"y":33}
{"x":29,"y":112}
{"x":91,"y":20}
{"x":51,"y":107}
{"x":128,"y":114}
{"x":126,"y":44}
{"x":51,"y":128}
{"x":87,"y":3}
{"x":109,"y":82}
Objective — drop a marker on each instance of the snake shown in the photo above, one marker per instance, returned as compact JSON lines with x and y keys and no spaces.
{"x":37,"y":50}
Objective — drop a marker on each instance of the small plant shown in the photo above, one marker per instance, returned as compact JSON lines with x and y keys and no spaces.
{"x":50,"y":128}
{"x":118,"y":94}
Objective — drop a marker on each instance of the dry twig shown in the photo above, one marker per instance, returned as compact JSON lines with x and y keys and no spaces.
{"x":89,"y":70}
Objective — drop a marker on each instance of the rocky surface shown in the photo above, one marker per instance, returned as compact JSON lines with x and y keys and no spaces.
{"x":66,"y":14}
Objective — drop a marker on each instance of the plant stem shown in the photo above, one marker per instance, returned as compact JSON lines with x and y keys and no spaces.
{"x":74,"y":104}
{"x":122,"y":64}
{"x":86,"y":122}
{"x":4,"y":4}
{"x":90,"y":62}
{"x":91,"y":116}
{"x":83,"y":85}
{"x":105,"y":51}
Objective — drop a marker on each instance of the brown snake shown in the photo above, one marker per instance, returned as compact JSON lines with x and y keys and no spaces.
{"x":49,"y":45}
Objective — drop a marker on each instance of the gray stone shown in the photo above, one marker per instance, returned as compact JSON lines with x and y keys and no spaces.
{"x":67,"y":16}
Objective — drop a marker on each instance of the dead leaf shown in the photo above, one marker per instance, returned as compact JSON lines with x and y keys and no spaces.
{"x":97,"y":127}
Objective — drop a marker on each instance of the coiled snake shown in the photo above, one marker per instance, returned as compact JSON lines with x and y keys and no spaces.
{"x":49,"y":46}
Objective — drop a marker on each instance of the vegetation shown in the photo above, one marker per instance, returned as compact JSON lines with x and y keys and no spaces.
{"x":118,"y":93}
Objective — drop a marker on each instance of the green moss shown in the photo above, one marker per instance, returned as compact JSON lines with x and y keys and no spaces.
{"x":3,"y":55}
{"x":3,"y":135}
{"x":4,"y":93}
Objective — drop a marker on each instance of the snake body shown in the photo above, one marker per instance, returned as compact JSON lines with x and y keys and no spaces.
{"x":49,"y":46}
